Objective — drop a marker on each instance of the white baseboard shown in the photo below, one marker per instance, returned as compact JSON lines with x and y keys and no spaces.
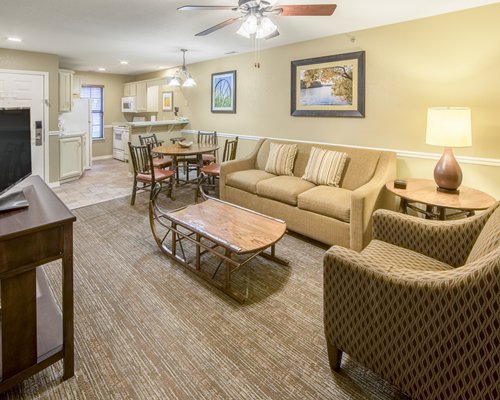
{"x":107,"y":157}
{"x":54,"y":184}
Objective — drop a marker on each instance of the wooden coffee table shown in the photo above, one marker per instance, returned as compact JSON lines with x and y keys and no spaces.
{"x":219,"y":228}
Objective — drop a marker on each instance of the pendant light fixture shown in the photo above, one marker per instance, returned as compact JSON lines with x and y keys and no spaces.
{"x":182,"y":75}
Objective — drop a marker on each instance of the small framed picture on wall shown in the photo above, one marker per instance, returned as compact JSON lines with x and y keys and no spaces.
{"x":167,"y":101}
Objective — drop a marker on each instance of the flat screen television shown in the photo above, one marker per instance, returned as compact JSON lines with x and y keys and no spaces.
{"x":15,"y":154}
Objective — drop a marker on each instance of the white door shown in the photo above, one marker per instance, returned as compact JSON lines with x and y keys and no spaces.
{"x":27,"y":90}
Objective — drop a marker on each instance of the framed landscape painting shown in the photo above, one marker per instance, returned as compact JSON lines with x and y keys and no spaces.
{"x":331,"y":86}
{"x":224,"y":92}
{"x":167,"y":103}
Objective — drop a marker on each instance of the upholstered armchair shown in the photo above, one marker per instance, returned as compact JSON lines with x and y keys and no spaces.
{"x":420,"y":305}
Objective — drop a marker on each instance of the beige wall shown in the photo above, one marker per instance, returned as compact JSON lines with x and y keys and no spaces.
{"x":448,"y":60}
{"x":30,"y":61}
{"x":113,"y":92}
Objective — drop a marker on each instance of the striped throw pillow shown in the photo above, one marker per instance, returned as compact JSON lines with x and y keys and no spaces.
{"x":281,"y":159}
{"x":325,"y":167}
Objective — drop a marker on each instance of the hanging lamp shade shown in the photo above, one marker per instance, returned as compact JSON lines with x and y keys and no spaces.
{"x":182,"y":75}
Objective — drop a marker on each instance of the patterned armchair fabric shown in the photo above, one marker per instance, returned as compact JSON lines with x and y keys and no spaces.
{"x":415,"y":309}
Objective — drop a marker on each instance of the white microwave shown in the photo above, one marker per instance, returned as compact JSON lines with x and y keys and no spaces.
{"x":129,"y":104}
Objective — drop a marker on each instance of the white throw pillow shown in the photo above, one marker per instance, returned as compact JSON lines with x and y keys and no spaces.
{"x":325,"y":167}
{"x":281,"y":159}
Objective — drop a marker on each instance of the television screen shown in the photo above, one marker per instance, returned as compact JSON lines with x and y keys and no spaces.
{"x":15,"y":146}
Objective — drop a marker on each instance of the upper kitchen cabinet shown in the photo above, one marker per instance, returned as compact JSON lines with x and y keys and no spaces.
{"x":130,"y":89}
{"x":141,"y":98}
{"x":76,"y":85}
{"x":139,"y":91}
{"x":153,"y":98}
{"x":65,"y":90}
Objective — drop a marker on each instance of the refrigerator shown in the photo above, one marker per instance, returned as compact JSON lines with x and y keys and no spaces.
{"x":79,"y":119}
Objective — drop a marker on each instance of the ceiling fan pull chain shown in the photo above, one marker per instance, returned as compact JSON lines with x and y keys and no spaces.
{"x":256,"y":52}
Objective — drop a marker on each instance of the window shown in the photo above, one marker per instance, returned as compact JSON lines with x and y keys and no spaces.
{"x":95,"y":94}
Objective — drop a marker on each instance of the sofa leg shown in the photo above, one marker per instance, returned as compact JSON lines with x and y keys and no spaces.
{"x":334,"y":356}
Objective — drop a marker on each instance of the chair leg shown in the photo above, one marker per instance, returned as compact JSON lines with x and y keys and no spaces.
{"x":198,"y":187}
{"x":152,"y":191}
{"x":134,"y":189}
{"x":334,"y":356}
{"x":171,"y":188}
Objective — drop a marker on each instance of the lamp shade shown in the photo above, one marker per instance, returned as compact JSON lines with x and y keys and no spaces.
{"x":449,"y":127}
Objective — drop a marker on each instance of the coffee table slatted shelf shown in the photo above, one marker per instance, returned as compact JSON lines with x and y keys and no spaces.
{"x":222,"y":229}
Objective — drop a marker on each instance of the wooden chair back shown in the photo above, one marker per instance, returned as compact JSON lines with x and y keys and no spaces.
{"x":205,"y":137}
{"x":142,"y":159}
{"x":230,"y":148}
{"x":152,"y":140}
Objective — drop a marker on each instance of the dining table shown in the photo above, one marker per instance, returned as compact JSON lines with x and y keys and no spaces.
{"x":176,"y":150}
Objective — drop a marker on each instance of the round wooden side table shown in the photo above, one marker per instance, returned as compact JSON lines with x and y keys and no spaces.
{"x":424,"y":191}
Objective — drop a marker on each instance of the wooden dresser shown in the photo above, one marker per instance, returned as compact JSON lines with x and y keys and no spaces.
{"x":33,"y":333}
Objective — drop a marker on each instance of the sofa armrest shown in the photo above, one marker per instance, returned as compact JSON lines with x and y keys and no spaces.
{"x":446,"y":241}
{"x":407,"y":326}
{"x":237,"y":165}
{"x":369,"y":197}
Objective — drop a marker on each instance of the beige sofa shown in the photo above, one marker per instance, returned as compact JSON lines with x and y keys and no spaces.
{"x":330,"y":215}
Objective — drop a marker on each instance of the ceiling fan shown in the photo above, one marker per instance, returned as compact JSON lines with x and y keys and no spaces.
{"x":255,"y":17}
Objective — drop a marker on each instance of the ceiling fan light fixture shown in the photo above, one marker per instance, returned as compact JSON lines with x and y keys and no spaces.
{"x":251,"y":24}
{"x":243,"y":32}
{"x":266,"y":28}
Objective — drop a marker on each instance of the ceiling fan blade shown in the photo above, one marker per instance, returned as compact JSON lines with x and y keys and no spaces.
{"x":272,"y":35}
{"x":218,"y":26}
{"x":307,"y":10}
{"x":201,"y":8}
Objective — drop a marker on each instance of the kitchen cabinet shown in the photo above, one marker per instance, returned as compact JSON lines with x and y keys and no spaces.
{"x":76,"y":85}
{"x":143,"y":94}
{"x":65,"y":90}
{"x":70,"y":157}
{"x":130,"y":89}
{"x":153,"y":98}
{"x":141,"y":97}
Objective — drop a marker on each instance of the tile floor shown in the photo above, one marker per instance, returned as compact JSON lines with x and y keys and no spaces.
{"x":108,"y":179}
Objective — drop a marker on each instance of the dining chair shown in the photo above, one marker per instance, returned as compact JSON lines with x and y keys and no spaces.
{"x":208,"y":138}
{"x":211,"y":172}
{"x":159,"y":161}
{"x":204,"y":138}
{"x":147,"y":174}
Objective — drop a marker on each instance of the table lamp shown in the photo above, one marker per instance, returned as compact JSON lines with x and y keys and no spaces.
{"x":448,"y":127}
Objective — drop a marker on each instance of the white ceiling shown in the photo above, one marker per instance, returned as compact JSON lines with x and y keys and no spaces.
{"x":149,"y":33}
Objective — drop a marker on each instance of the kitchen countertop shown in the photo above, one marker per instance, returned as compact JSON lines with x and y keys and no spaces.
{"x":154,"y":123}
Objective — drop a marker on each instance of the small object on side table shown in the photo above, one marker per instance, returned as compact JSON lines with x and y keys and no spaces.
{"x":400,"y":184}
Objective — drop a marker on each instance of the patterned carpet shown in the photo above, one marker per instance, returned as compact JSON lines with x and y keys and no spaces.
{"x":147,"y":329}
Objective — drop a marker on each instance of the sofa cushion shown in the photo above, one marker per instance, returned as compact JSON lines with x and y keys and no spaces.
{"x":488,"y":239}
{"x":327,"y":200}
{"x":247,"y":180}
{"x":325,"y":167}
{"x":281,"y":159}
{"x":283,"y":188}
